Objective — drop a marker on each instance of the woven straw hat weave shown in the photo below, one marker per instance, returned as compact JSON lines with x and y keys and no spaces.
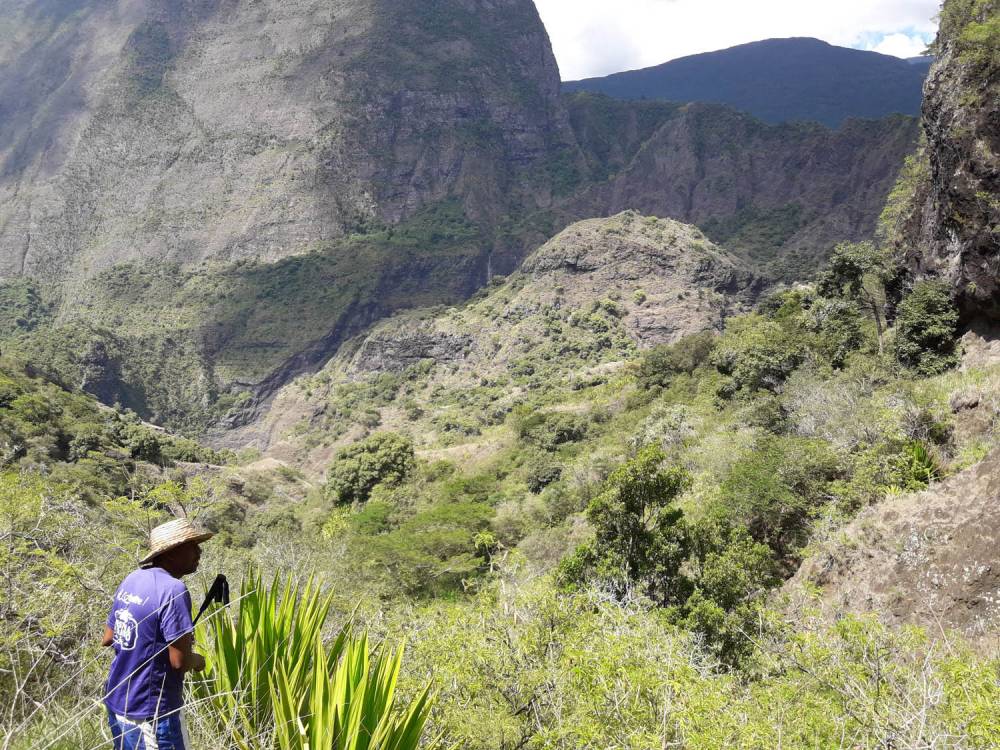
{"x":172,"y":534}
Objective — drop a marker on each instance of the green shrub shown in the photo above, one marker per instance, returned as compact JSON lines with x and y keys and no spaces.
{"x":356,"y":470}
{"x":889,"y":466}
{"x":548,"y":430}
{"x":34,"y":409}
{"x":732,"y":575}
{"x":640,"y":538}
{"x":837,"y":329}
{"x":142,"y":444}
{"x":921,"y":465}
{"x":431,"y":552}
{"x":84,"y":442}
{"x":541,"y":474}
{"x":775,"y":490}
{"x":661,"y":364}
{"x":757,"y":353}
{"x":926,"y":324}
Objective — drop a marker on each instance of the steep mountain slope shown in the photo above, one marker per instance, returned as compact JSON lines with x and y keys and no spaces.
{"x":930,"y":558}
{"x":183,"y":345}
{"x":778,"y":80}
{"x":946,"y":218}
{"x":214,"y":130}
{"x":782,"y":194}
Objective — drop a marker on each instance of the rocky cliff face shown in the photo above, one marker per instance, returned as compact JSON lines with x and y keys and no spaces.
{"x":217,"y":130}
{"x":458,"y":97}
{"x":926,"y":559}
{"x":951,"y":226}
{"x":211,"y":130}
{"x":782,"y":194}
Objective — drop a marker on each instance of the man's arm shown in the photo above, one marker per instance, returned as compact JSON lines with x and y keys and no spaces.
{"x":182,"y":655}
{"x":109,"y":636}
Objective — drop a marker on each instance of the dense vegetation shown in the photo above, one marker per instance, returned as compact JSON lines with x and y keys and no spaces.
{"x":663,"y":500}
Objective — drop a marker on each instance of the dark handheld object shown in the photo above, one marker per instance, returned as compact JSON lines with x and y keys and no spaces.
{"x":218,"y":592}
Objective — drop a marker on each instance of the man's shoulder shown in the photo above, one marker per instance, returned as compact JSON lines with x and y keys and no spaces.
{"x":167,"y":583}
{"x":155,"y":580}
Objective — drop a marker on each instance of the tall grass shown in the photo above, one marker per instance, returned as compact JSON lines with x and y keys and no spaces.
{"x":271,"y":682}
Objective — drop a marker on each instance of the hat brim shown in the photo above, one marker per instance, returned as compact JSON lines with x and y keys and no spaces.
{"x":196,"y":538}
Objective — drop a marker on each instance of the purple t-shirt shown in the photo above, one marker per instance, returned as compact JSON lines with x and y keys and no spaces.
{"x":151,"y":610}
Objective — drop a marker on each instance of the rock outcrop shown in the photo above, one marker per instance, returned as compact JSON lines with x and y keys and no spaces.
{"x":670,"y":279}
{"x":581,"y":304}
{"x":927,"y":559}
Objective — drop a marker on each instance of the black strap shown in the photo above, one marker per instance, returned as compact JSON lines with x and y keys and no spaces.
{"x":218,"y":592}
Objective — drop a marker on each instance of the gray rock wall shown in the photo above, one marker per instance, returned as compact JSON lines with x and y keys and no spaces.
{"x":953,"y":229}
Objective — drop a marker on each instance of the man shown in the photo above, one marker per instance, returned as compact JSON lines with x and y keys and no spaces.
{"x":152,"y":634}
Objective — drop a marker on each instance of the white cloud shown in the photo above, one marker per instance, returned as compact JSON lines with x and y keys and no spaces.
{"x":596,"y":37}
{"x":902,"y":45}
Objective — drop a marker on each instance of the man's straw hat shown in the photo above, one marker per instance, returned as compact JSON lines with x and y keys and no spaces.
{"x":172,"y":534}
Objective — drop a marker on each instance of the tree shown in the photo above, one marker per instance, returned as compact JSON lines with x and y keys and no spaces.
{"x":384,"y":458}
{"x":640,"y":535}
{"x":758,"y":353}
{"x":732,"y":576}
{"x":662,"y":363}
{"x":861,"y":272}
{"x":925,"y":328}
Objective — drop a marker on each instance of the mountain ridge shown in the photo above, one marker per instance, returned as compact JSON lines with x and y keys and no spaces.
{"x":777,"y":80}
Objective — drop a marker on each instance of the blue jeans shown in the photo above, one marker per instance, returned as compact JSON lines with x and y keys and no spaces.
{"x":168,"y":733}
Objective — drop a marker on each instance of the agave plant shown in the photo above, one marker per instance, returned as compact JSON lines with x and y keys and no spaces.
{"x":348,"y":706}
{"x":271,"y":682}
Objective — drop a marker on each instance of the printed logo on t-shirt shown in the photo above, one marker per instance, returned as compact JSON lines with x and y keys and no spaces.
{"x":126,"y":630}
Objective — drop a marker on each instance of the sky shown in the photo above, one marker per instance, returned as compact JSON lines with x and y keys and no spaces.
{"x":597,"y":37}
